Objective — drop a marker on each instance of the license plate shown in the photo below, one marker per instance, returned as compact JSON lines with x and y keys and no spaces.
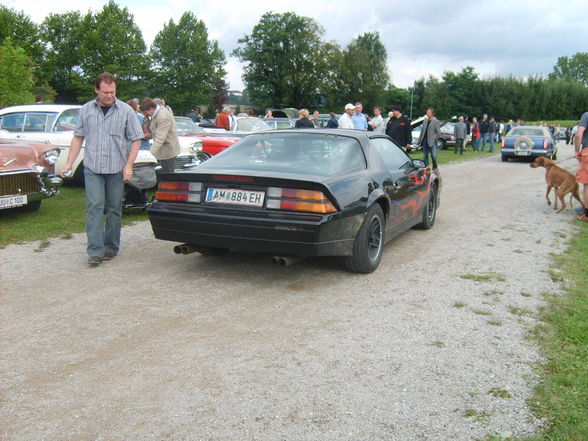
{"x":235,"y":196}
{"x":523,"y":152}
{"x":13,"y":201}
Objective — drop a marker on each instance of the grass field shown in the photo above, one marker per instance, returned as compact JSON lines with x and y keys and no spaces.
{"x":562,"y":397}
{"x":59,"y":216}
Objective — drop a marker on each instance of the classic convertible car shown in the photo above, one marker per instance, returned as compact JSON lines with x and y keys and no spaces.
{"x":27,"y":174}
{"x":528,"y":142}
{"x":311,"y":192}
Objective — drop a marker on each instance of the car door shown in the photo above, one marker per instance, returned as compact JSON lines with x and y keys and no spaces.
{"x":406,"y":187}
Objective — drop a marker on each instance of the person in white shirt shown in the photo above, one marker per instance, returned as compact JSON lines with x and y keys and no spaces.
{"x":346,"y":121}
{"x":377,"y":122}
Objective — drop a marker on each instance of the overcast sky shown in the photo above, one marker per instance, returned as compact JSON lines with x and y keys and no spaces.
{"x":422,"y":37}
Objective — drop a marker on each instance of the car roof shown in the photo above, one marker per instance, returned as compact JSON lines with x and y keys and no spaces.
{"x":39,"y":108}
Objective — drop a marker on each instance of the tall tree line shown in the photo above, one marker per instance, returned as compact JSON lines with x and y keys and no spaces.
{"x":287,"y":64}
{"x":66,"y":51}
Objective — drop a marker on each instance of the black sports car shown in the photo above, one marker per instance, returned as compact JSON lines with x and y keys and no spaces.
{"x":311,"y":192}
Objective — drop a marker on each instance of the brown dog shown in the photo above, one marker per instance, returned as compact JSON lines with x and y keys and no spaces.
{"x":562,"y":181}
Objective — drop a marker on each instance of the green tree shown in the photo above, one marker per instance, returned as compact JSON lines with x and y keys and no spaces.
{"x":185,"y":63}
{"x":365,"y":70}
{"x":65,"y":36}
{"x":461,"y":90}
{"x":283,"y":56}
{"x":83,"y":46}
{"x":574,"y":68}
{"x":22,"y":31}
{"x":219,"y":94}
{"x":114,"y":43}
{"x":16,"y":75}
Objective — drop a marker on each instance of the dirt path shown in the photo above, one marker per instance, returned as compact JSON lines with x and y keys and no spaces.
{"x":155,"y":346}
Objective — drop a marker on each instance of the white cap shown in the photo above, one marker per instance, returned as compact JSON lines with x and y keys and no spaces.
{"x":349,"y":106}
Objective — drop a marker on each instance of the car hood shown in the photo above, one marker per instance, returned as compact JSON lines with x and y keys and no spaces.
{"x":18,"y":155}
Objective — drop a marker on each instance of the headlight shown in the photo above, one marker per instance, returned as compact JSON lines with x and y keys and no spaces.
{"x":50,"y":156}
{"x":196,"y":147}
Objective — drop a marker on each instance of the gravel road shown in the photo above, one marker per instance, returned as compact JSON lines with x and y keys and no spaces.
{"x":154,"y":346}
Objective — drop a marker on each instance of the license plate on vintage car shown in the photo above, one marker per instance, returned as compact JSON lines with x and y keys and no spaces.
{"x":523,"y":152}
{"x":13,"y":201}
{"x":233,"y":196}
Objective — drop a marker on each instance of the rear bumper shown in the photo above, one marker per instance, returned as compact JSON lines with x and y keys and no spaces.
{"x":264,"y":232}
{"x":535,"y":153}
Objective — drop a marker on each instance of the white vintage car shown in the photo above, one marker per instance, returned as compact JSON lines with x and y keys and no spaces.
{"x":54,"y":124}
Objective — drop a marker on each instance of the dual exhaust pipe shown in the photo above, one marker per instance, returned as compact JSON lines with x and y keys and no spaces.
{"x":185,"y":249}
{"x":282,"y":261}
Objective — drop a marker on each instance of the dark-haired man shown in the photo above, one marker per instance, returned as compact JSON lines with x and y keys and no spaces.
{"x":113,"y":136}
{"x":166,"y":145}
{"x":398,"y":128}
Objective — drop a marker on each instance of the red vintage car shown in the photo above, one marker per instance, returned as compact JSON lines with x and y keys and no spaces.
{"x":27,"y":174}
{"x":211,"y":143}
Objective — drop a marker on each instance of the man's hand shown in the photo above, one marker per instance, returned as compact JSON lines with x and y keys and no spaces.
{"x":66,"y":172}
{"x":127,"y":173}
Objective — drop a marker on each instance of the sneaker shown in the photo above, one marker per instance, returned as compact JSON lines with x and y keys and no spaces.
{"x":108,"y":256}
{"x":94,"y":260}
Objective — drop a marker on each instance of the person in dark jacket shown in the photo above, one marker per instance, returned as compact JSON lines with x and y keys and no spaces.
{"x":333,"y":122}
{"x":399,"y":129}
{"x":303,"y":122}
{"x":484,"y":126}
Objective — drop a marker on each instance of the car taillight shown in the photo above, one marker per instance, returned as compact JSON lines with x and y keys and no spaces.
{"x":544,"y":144}
{"x":503,"y":143}
{"x":179,"y":191}
{"x":298,"y":200}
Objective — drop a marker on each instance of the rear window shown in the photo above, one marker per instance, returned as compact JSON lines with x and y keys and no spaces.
{"x":522,"y":131}
{"x":300,"y":153}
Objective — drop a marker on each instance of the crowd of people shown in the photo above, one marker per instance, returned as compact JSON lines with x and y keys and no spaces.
{"x":114,"y":132}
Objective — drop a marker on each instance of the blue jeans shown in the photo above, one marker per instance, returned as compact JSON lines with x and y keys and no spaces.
{"x":104,"y":193}
{"x":433,"y":150}
{"x":484,"y":138}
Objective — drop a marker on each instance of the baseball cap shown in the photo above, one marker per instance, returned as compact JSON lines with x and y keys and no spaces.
{"x":349,"y":106}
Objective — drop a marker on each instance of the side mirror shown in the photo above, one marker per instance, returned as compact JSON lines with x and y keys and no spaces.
{"x":418,"y":163}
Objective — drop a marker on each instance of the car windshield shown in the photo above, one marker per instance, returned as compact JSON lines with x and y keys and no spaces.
{"x":251,"y":125}
{"x":524,"y":131}
{"x":187,"y":127}
{"x":299,"y":153}
{"x":67,"y":120}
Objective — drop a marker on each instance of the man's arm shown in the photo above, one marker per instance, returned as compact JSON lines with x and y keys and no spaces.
{"x":128,"y":169}
{"x":74,"y":151}
{"x":163,"y":126}
{"x":578,"y":141}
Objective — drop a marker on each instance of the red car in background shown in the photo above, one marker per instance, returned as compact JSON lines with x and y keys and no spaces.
{"x":211,"y":143}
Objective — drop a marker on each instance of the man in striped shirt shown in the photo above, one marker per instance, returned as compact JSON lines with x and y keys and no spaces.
{"x":113,"y":136}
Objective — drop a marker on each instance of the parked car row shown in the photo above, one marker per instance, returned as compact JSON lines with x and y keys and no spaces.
{"x":54,"y":124}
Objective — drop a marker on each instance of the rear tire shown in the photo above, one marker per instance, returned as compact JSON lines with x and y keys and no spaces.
{"x":429,"y":212}
{"x":369,"y":243}
{"x":504,"y":158}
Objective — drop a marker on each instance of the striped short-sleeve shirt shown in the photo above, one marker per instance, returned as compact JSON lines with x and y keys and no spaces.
{"x":108,"y":138}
